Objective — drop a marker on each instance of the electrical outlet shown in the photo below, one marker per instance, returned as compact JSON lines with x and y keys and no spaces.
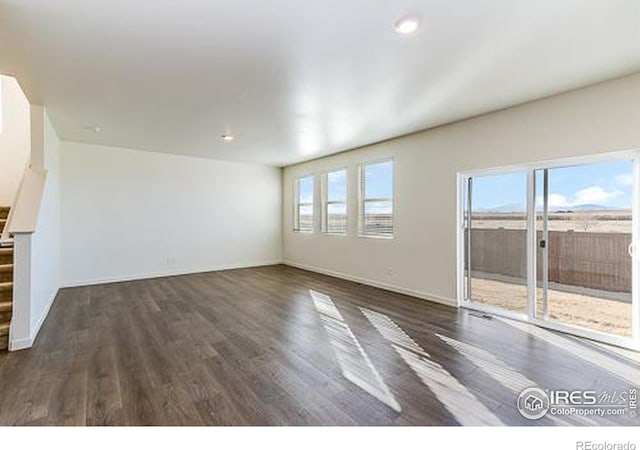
{"x":389,"y":271}
{"x":171,"y":261}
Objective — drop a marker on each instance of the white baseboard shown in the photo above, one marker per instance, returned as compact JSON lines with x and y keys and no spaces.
{"x":21,"y":344}
{"x":377,"y":284}
{"x":168,"y":273}
{"x":24,"y":343}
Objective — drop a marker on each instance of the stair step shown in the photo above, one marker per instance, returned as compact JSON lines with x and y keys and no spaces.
{"x":6,"y":255}
{"x":6,"y":286}
{"x":6,"y":311}
{"x":5,"y":315}
{"x":6,"y":291}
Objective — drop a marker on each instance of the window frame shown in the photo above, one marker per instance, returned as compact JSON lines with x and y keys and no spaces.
{"x":362,"y":201}
{"x":325,"y":202}
{"x":297,"y":204}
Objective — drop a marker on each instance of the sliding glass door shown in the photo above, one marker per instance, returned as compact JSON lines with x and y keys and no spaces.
{"x":496,"y":244}
{"x":554,"y":244}
{"x":584,"y":236}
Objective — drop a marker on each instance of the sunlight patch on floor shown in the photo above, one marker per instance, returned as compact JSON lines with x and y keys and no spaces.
{"x":486,"y":361}
{"x":462,"y":404}
{"x":354,"y":362}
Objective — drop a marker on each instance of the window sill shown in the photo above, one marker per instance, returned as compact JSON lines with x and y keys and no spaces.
{"x":372,"y":236}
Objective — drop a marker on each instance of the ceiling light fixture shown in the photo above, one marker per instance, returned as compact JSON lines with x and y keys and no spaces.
{"x":227,"y":137}
{"x":407,"y":24}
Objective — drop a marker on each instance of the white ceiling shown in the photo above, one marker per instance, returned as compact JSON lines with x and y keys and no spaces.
{"x":297,"y":79}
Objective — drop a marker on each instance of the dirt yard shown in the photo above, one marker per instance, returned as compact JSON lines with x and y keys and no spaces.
{"x":609,"y":316}
{"x":606,"y":221}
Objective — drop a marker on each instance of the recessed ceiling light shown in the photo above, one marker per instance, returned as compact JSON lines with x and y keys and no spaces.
{"x":227,"y":137}
{"x":408,"y":24}
{"x":93,"y":128}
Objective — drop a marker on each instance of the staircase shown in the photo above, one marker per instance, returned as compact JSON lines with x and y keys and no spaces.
{"x":6,"y":283}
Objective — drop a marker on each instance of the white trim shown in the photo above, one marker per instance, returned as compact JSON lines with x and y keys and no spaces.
{"x":43,"y":316}
{"x":385,"y":286}
{"x":324,"y":201}
{"x":594,"y":335}
{"x":297,"y":204}
{"x":294,"y":205}
{"x":635,"y":259}
{"x":375,"y":236}
{"x":496,"y":311}
{"x":459,"y":239}
{"x":531,"y":240}
{"x":573,"y":330}
{"x":161,"y":274}
{"x":23,"y":215}
{"x":21,"y":344}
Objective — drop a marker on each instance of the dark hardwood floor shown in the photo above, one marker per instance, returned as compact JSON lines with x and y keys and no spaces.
{"x":281,"y":346}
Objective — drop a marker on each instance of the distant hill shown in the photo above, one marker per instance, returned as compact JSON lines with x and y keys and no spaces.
{"x":590,"y":207}
{"x":519,"y":208}
{"x":507,"y":208}
{"x":585,"y":207}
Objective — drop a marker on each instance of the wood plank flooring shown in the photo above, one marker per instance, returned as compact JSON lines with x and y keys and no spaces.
{"x":281,"y":346}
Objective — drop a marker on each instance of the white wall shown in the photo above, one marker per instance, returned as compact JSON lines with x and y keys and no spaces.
{"x":46,"y":239}
{"x":422,"y":256}
{"x":14,"y":138}
{"x":37,"y":252}
{"x":130,"y":214}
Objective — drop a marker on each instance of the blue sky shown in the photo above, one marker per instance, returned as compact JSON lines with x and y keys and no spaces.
{"x":607,"y":184}
{"x":379,"y":179}
{"x":337,"y":185}
{"x":379,"y":184}
{"x":305,"y":189}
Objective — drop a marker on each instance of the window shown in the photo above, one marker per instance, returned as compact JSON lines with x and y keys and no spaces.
{"x":376,"y":199}
{"x":303,"y":220}
{"x":334,"y":202}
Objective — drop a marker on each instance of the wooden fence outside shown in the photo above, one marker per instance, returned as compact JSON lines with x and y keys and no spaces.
{"x":592,"y":260}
